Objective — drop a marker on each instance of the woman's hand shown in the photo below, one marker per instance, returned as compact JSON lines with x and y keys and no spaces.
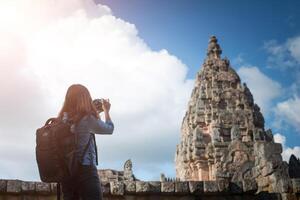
{"x":105,"y":105}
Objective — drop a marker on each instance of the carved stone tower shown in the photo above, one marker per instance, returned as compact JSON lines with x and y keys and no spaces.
{"x":222,"y":133}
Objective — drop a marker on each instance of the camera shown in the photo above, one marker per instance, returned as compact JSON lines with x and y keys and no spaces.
{"x":98,"y":104}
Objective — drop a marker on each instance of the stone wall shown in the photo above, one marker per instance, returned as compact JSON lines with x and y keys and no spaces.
{"x":151,"y":190}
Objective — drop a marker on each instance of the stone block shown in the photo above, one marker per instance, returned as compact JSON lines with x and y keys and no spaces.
{"x":249,"y":185}
{"x":42,"y":188}
{"x":263,"y":149}
{"x":267,"y":169}
{"x":148,"y":187}
{"x":129,"y":187}
{"x":182,"y":187}
{"x":296,"y":185}
{"x":267,"y":196}
{"x":53,"y":187}
{"x":28,"y":187}
{"x":105,"y":187}
{"x":14,"y":186}
{"x":236,"y":187}
{"x":277,"y":148}
{"x":280,"y":183}
{"x":263,"y":182}
{"x":168,"y":187}
{"x":256,"y":171}
{"x":117,"y":187}
{"x":3,"y":184}
{"x":223,"y":185}
{"x":288,"y":196}
{"x":210,"y":187}
{"x":196,"y":187}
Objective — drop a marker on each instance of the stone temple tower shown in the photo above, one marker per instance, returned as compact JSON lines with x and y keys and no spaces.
{"x":223,"y":134}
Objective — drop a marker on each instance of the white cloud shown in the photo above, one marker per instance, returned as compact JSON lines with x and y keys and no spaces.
{"x":52,"y":45}
{"x":287,"y":151}
{"x":294,"y":48}
{"x":263,"y":88}
{"x":284,"y":56}
{"x":238,"y":60}
{"x":288,"y":112}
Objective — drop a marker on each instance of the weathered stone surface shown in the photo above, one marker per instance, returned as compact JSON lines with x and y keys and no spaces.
{"x":42,"y":188}
{"x":210,"y":190}
{"x":288,"y":196}
{"x":196,"y":187}
{"x":105,"y":187}
{"x":267,"y":169}
{"x":128,"y":173}
{"x":262,"y":182}
{"x":28,"y":187}
{"x":279,"y":180}
{"x":3,"y":184}
{"x":223,"y":135}
{"x":168,"y":187}
{"x":223,"y":185}
{"x":236,"y":187}
{"x":182,"y":187}
{"x":117,"y":188}
{"x":155,"y":185}
{"x":13,"y":186}
{"x":217,"y":123}
{"x":296,"y":185}
{"x":53,"y":187}
{"x":249,"y":185}
{"x":148,"y":187}
{"x":268,"y":196}
{"x":107,"y":175}
{"x":210,"y":186}
{"x":129,"y":187}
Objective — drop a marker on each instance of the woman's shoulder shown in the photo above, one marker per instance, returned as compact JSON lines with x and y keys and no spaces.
{"x":89,"y":116}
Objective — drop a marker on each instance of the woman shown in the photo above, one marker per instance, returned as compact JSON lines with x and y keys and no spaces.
{"x":79,"y":108}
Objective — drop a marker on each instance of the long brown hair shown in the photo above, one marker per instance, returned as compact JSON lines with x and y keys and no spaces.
{"x":78,"y":102}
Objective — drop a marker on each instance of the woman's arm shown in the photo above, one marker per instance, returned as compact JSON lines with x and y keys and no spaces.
{"x":97,"y":126}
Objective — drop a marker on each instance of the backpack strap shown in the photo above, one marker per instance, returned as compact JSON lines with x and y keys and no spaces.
{"x":95,"y":149}
{"x":86,"y":147}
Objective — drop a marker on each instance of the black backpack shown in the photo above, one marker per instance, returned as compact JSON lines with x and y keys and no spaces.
{"x":55,"y":150}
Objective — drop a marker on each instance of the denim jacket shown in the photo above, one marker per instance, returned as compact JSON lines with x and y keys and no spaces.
{"x":84,"y":129}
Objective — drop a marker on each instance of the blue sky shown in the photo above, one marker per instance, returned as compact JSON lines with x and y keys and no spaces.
{"x":144,"y":56}
{"x":242,"y":27}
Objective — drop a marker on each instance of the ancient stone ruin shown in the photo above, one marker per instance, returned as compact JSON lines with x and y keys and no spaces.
{"x":223,"y":135}
{"x":107,"y":175}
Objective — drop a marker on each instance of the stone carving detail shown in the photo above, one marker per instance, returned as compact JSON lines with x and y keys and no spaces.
{"x":107,"y":175}
{"x":128,"y":174}
{"x":223,"y":135}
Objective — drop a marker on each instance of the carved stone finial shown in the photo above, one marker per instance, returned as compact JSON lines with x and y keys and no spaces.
{"x":214,"y":50}
{"x":128,"y":165}
{"x":128,"y":174}
{"x":162,"y":177}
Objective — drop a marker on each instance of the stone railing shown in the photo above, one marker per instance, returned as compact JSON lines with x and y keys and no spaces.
{"x":17,"y":189}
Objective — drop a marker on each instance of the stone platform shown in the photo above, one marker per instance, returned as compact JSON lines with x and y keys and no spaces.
{"x":151,"y":190}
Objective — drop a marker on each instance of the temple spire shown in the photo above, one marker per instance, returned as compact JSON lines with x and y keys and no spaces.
{"x":223,"y":135}
{"x":214,"y":50}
